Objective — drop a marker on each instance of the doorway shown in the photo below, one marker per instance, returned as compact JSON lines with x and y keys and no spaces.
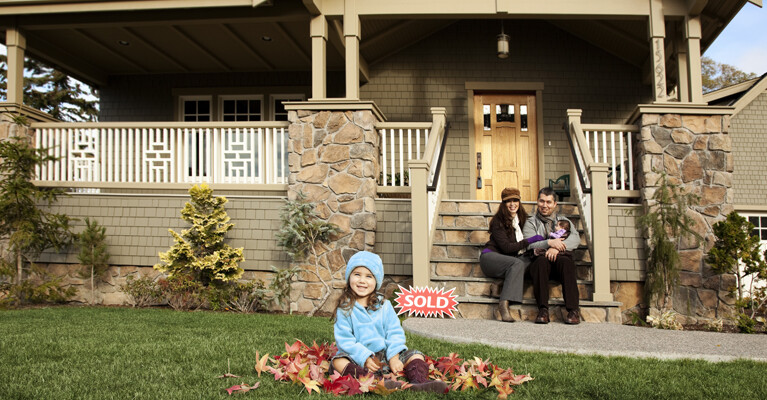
{"x":506,"y":144}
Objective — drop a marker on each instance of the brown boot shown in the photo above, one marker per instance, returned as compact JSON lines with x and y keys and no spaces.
{"x":354,"y":370}
{"x":417,"y":373}
{"x":503,"y":311}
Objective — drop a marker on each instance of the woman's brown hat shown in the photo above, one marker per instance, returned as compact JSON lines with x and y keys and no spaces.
{"x":510,"y":193}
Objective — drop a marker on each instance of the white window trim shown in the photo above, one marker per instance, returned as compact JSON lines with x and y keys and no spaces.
{"x":221,"y":98}
{"x":763,"y":244}
{"x":182,"y":99}
{"x":273,"y":98}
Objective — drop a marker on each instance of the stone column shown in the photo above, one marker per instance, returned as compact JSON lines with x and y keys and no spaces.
{"x":696,"y":152}
{"x":334,"y":161}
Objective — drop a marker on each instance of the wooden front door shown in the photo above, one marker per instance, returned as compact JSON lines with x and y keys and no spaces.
{"x":505,"y":145}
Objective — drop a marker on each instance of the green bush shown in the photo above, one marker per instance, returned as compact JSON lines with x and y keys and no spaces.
{"x":39,"y":288}
{"x":249,"y":297}
{"x":182,"y":292}
{"x":143,"y":292}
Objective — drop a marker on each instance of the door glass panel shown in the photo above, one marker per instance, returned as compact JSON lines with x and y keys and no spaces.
{"x":504,"y":112}
{"x":523,"y":116}
{"x":486,"y":114}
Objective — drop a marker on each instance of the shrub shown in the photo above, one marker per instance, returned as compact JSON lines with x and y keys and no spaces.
{"x":40,"y":287}
{"x":143,"y":292}
{"x":182,"y":292}
{"x":200,"y":251}
{"x":249,"y":297}
{"x":281,"y":284}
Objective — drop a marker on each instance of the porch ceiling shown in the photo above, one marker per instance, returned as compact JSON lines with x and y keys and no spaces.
{"x":94,"y":45}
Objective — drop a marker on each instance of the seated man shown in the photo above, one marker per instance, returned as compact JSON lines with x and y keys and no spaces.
{"x":556,"y":262}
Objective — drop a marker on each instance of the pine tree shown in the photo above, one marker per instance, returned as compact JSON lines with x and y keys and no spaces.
{"x":200,"y":251}
{"x":93,"y":252}
{"x":53,"y":92}
{"x":29,"y":229}
{"x":305,"y":236}
{"x":666,"y":221}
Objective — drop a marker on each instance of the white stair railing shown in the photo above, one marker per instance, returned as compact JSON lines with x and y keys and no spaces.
{"x":400,"y":142}
{"x":89,"y":154}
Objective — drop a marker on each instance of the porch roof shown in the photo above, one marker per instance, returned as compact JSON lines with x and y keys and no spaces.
{"x":94,"y":39}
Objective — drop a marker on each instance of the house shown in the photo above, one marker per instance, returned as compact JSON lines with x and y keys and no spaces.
{"x":403,"y":120}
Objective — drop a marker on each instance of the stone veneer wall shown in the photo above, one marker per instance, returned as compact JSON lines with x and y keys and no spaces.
{"x":696,"y":152}
{"x":333,"y":159}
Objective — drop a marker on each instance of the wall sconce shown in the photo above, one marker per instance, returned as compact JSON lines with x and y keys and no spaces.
{"x":503,"y":44}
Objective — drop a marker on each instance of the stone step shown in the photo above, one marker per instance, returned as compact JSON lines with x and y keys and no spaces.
{"x":470,"y":268}
{"x":484,"y":308}
{"x":491,"y":288}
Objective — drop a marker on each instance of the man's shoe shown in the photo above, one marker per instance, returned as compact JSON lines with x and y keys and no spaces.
{"x":543,"y":316}
{"x":573,"y":318}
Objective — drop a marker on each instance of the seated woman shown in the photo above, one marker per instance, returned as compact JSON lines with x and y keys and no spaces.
{"x":503,"y":254}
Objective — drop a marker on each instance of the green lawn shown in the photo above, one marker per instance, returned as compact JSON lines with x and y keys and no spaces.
{"x":120,"y":353}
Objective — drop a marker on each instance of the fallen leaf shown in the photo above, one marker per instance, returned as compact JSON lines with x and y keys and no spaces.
{"x":228,"y":375}
{"x":242,"y":388}
{"x":261,"y":363}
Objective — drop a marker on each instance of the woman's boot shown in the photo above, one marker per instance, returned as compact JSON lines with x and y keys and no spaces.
{"x":417,"y":373}
{"x":354,"y":370}
{"x":503,"y":311}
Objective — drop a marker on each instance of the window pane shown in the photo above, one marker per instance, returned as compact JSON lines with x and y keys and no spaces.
{"x":523,"y":116}
{"x":255,"y":106}
{"x":228,"y":106}
{"x":279,"y":108}
{"x":242,"y":107}
{"x":228,"y":117}
{"x":281,"y":117}
{"x":504,"y":113}
{"x":242,"y":117}
{"x":190,"y":118}
{"x":190,"y":107}
{"x":203,"y":118}
{"x":255,"y":117}
{"x":764,"y":222}
{"x":754,"y":220}
{"x":486,"y":112}
{"x":203,"y":107}
{"x":764,"y":234}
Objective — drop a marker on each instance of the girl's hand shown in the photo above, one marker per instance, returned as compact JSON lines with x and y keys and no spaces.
{"x":396,"y":365}
{"x":372,"y":365}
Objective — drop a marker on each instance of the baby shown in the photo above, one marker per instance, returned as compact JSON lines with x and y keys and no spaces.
{"x":562,"y":232}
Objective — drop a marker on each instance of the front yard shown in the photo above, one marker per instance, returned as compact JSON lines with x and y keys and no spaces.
{"x":99,"y":353}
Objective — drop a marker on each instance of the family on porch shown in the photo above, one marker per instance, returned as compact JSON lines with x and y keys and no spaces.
{"x":540,"y":245}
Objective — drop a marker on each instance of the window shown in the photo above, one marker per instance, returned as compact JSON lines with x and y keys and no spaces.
{"x":278,"y":109}
{"x":241,"y":108}
{"x":760,"y":226}
{"x":195,"y":108}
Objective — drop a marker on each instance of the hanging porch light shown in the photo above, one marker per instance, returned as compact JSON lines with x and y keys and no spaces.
{"x":503,"y":44}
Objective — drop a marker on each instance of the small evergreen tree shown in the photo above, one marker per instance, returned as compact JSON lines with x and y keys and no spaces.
{"x":29,"y":229}
{"x":303,"y":232}
{"x":201,"y":251}
{"x":666,"y":222}
{"x":735,"y":246}
{"x":93,"y":252}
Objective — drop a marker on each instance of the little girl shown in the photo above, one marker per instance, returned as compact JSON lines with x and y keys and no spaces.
{"x":368,"y":333}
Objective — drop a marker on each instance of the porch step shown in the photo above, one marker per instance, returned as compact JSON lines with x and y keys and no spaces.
{"x":474,"y":307}
{"x":460,"y":235}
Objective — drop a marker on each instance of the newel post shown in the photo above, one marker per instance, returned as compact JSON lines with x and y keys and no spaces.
{"x":419,"y":175}
{"x":600,"y":235}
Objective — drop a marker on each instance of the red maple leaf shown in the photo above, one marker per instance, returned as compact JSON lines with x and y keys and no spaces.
{"x":449,"y":365}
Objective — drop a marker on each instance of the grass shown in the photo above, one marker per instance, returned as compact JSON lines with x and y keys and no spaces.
{"x":120,"y":353}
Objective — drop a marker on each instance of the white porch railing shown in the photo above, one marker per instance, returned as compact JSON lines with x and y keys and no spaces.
{"x":400,"y":142}
{"x":612,"y":145}
{"x":164,"y":152}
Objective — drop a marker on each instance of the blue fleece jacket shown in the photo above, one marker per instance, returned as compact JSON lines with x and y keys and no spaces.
{"x":362,"y":333}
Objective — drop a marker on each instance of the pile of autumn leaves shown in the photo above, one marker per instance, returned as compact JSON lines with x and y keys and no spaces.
{"x":308,"y":366}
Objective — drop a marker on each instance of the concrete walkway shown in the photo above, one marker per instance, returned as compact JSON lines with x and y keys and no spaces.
{"x":592,"y":338}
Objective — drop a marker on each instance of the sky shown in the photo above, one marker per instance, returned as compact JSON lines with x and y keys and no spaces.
{"x":741,"y":44}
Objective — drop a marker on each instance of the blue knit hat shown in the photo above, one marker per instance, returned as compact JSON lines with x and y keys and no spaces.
{"x":368,"y":260}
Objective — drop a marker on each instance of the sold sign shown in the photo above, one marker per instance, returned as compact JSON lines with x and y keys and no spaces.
{"x":426,"y":302}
